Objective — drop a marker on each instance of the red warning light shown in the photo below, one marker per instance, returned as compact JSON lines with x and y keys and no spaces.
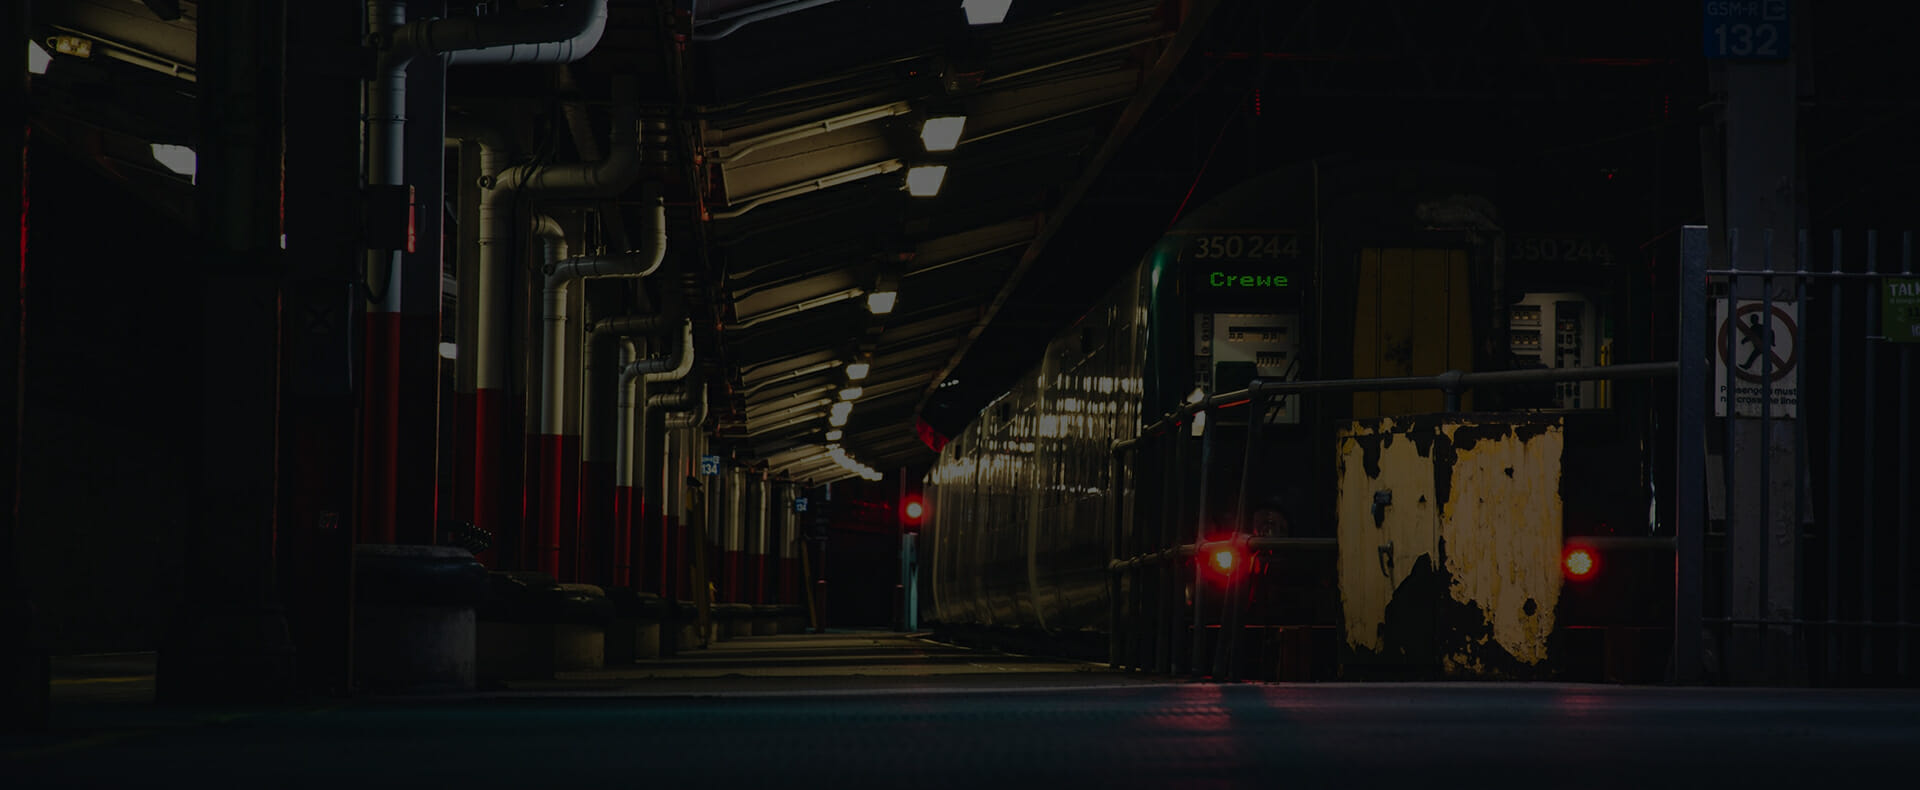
{"x":912,"y":510}
{"x":1580,"y":564}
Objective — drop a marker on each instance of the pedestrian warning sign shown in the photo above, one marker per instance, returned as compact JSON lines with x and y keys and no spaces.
{"x":1900,"y":311}
{"x":1759,"y":350}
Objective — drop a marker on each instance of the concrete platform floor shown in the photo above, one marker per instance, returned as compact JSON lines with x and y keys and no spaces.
{"x":856,"y":710}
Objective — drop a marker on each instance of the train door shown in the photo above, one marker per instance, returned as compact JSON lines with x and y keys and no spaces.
{"x":1413,"y":314}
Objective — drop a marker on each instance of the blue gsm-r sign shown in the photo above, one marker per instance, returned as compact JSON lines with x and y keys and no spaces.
{"x":1746,"y":29}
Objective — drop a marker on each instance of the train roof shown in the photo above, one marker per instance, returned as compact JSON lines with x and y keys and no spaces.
{"x":1350,"y":192}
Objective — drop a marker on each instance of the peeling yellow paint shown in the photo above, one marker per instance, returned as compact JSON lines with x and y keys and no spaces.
{"x":1500,"y":524}
{"x":1367,"y":582}
{"x":1503,"y":534}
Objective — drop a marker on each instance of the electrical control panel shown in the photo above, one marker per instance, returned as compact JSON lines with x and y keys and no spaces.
{"x":1557,"y":330}
{"x":1232,"y":349}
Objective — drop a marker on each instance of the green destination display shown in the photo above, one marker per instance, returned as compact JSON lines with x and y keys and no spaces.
{"x":1245,"y":281}
{"x":1900,"y":311}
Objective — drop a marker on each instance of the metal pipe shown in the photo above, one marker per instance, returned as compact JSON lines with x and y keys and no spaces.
{"x":734,"y":20}
{"x":815,"y":185}
{"x":815,"y":129}
{"x":553,"y":313}
{"x":792,"y":374}
{"x":1075,"y":59}
{"x":798,"y":307}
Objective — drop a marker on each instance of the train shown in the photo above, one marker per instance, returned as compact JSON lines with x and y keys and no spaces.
{"x":1260,"y":538}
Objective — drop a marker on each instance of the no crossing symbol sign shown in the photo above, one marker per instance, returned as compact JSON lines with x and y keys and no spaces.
{"x":1762,"y":364}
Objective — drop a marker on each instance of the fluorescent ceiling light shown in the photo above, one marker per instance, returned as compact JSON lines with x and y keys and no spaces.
{"x":880,"y":303}
{"x":986,"y":12}
{"x":37,"y":57}
{"x":834,"y":435}
{"x":73,"y":45}
{"x":178,"y":158}
{"x":850,"y":393}
{"x":925,"y":180}
{"x":858,"y":370}
{"x":942,"y":134}
{"x":838,"y":419}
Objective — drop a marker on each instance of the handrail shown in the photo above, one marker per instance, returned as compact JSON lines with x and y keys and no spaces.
{"x":1451,"y":382}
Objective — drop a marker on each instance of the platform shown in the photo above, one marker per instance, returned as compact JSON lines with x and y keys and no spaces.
{"x":850,"y":710}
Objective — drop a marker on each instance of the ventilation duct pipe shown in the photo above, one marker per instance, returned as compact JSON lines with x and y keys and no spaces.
{"x":555,"y":35}
{"x":550,"y":35}
{"x":634,"y":375}
{"x":553,"y":304}
{"x":553,"y":369}
{"x":561,"y":35}
{"x":686,"y":409}
{"x":548,"y":457}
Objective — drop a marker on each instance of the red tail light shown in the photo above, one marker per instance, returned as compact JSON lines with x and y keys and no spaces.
{"x":1580,"y":563}
{"x":1220,"y":560}
{"x":1223,"y":560}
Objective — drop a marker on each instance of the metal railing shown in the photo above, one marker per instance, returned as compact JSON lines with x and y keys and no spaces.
{"x":1145,"y":574}
{"x":1801,"y":567}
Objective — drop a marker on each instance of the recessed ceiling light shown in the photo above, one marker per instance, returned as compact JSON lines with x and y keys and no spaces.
{"x":37,"y":57}
{"x":942,"y":134}
{"x":925,"y":180}
{"x":986,"y":12}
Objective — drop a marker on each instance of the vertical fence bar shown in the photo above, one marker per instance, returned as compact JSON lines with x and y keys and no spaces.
{"x":1835,"y":301}
{"x":1690,"y":469}
{"x":1765,"y":347}
{"x":1802,"y":467}
{"x":1227,"y":664}
{"x":1866,"y":461}
{"x":1905,"y":524}
{"x":1117,"y":550}
{"x":1197,"y":663}
{"x":1171,"y":595}
{"x":1724,"y":349}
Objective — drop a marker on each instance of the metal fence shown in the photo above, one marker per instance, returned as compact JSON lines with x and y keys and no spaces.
{"x":1794,"y":459}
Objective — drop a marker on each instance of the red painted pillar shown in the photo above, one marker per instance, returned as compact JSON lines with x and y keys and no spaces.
{"x":380,"y":421}
{"x":622,"y":521}
{"x":553,"y":466}
{"x":595,"y":529}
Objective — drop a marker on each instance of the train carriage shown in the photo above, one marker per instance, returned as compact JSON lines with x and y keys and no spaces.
{"x":1331,"y":270}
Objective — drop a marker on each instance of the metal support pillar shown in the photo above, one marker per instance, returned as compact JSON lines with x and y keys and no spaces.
{"x":1690,"y":457}
{"x":23,"y":656}
{"x":318,"y":324}
{"x":230,"y":641}
{"x":416,"y":449}
{"x":1762,"y":536}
